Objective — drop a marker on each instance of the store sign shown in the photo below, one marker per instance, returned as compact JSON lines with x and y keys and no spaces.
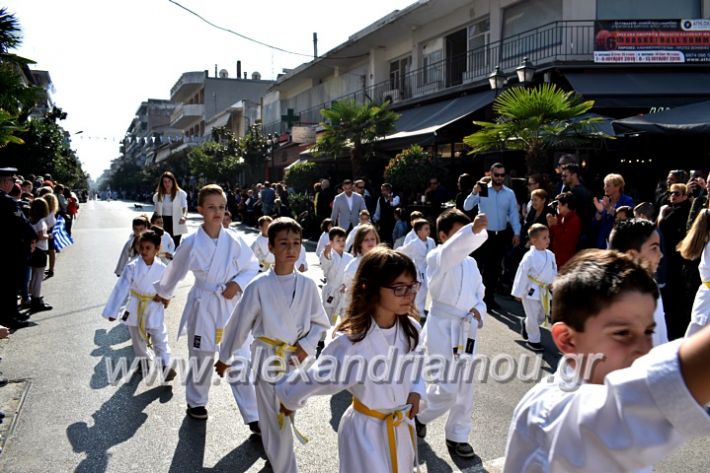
{"x":303,"y":134}
{"x":652,"y":41}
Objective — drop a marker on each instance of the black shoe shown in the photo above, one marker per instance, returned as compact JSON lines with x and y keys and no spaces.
{"x":38,"y":305}
{"x":3,"y":381}
{"x":15,"y":324}
{"x":48,"y":274}
{"x":523,"y":332}
{"x":421,"y":428}
{"x":461,"y":449}
{"x":170,"y":375}
{"x":537,"y":347}
{"x":23,"y":316}
{"x":254,"y":427}
{"x":199,"y":412}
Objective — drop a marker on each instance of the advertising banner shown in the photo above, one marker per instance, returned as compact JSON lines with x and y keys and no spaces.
{"x":652,"y":41}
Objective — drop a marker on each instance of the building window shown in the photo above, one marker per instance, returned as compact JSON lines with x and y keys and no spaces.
{"x":531,"y":26}
{"x":398,"y":73}
{"x":432,"y":63}
{"x":647,"y":9}
{"x":478,"y":51}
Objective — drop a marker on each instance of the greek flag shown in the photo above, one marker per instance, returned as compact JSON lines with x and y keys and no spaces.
{"x":60,"y":235}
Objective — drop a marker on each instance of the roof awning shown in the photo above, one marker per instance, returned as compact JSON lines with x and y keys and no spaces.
{"x":641,"y":89}
{"x":219,"y":122}
{"x":691,"y":119}
{"x":428,"y":119}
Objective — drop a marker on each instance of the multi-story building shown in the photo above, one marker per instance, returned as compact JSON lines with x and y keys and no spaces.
{"x":204,"y":102}
{"x":432,"y":61}
{"x":149,"y":129}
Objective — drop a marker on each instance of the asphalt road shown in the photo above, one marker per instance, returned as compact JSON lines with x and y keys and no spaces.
{"x":71,"y":419}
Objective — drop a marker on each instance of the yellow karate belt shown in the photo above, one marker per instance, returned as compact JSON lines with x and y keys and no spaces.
{"x":218,"y":332}
{"x":392,"y":421}
{"x":280,"y":350}
{"x":545,"y":297}
{"x":143,"y":301}
{"x":707,"y":284}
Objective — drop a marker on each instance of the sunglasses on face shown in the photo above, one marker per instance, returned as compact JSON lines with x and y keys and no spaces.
{"x":498,"y":174}
{"x":404,"y":290}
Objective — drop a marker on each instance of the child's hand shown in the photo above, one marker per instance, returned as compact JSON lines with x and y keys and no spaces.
{"x":4,"y":331}
{"x":231,"y":290}
{"x":300,"y":354}
{"x":477,"y":315}
{"x":112,"y":319}
{"x":285,"y":411}
{"x":302,"y":268}
{"x":413,"y":399}
{"x":220,"y":368}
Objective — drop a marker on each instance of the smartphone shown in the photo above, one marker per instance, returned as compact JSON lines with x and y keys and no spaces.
{"x":483,"y":189}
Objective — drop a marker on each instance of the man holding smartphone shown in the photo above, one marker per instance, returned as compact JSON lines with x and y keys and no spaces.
{"x":498,"y":202}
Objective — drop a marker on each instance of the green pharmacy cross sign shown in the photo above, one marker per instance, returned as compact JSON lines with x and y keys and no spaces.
{"x":290,"y":118}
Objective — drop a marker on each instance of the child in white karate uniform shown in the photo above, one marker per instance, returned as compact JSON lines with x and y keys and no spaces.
{"x":167,"y":245}
{"x":411,"y":235}
{"x":378,"y":323}
{"x":222,"y":264}
{"x":144,"y":315}
{"x":324,"y":239}
{"x":364,"y":217}
{"x":302,"y":262}
{"x":418,"y":249}
{"x":456,"y":314}
{"x":365,"y":239}
{"x":609,"y":408}
{"x":260,"y":247}
{"x":283,"y":310}
{"x":333,"y":261}
{"x":130,"y":248}
{"x":532,"y":283}
{"x":696,"y":244}
{"x":640,"y":239}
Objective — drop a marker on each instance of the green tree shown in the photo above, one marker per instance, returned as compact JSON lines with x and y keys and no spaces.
{"x":219,"y":160}
{"x":301,"y":176}
{"x":353,"y":129}
{"x":46,"y":149}
{"x":536,"y":120}
{"x":253,"y":149}
{"x":409,"y":172}
{"x":16,"y":99}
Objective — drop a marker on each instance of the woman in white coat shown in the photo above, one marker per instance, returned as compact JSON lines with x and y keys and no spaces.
{"x":171,"y":204}
{"x":378,"y":326}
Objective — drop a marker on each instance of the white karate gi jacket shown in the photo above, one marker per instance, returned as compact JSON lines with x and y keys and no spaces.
{"x":334,"y":272}
{"x":125,"y":256}
{"x":536,"y":263}
{"x":362,"y":440}
{"x":139,"y":277}
{"x":206,"y":310}
{"x":260,"y":247}
{"x":635,"y":419}
{"x":456,"y":286}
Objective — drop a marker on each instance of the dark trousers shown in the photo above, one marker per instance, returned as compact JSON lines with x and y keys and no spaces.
{"x":489,"y":258}
{"x":168,"y":227}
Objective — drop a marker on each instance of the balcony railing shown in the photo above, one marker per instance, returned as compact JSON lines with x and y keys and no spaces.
{"x":559,"y":41}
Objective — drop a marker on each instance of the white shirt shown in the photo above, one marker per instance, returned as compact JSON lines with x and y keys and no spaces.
{"x":167,"y":205}
{"x":41,"y":227}
{"x":349,"y":199}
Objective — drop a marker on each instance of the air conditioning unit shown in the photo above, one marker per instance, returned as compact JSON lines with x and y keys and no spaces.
{"x":391,"y":96}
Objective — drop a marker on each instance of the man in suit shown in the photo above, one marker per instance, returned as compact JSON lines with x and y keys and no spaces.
{"x":347,"y":206}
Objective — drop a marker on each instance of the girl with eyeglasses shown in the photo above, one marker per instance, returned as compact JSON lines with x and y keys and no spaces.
{"x":380,"y":325}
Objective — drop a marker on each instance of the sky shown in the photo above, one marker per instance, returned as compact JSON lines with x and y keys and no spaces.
{"x":105,"y":57}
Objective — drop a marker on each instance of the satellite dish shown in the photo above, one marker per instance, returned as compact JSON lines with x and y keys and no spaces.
{"x":255,"y":76}
{"x":223,"y":74}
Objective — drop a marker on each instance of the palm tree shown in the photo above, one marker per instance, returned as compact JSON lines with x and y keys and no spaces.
{"x":352,"y":129}
{"x":535,"y":120}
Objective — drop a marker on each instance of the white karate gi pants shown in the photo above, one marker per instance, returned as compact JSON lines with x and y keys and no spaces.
{"x":454,"y":397}
{"x":534,"y":316}
{"x":159,"y":339}
{"x":197,"y":387}
{"x":278,"y":443}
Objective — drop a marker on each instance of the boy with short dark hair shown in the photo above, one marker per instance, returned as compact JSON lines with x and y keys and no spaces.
{"x":629,"y":410}
{"x":333,"y":261}
{"x":640,"y":239}
{"x":417,"y":250}
{"x":130,"y":249}
{"x":283,"y":310}
{"x":456,"y":314}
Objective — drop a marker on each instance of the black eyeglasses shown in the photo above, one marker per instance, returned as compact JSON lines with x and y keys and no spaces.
{"x":403,"y":290}
{"x":498,"y":174}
